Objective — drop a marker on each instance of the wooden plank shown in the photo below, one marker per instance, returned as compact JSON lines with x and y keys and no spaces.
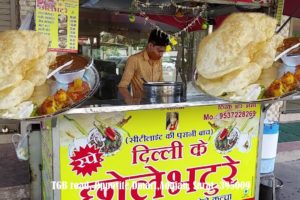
{"x":5,"y":23}
{"x":3,"y":28}
{"x":4,"y":1}
{"x":4,"y":11}
{"x":4,"y":5}
{"x":13,"y":14}
{"x":4,"y":17}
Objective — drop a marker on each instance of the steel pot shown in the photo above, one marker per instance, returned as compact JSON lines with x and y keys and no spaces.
{"x":266,"y":189}
{"x":163,"y":92}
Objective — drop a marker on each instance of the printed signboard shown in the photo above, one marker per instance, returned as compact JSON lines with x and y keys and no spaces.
{"x":206,"y":152}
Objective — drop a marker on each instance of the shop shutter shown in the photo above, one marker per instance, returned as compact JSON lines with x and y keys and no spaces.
{"x":8,"y":15}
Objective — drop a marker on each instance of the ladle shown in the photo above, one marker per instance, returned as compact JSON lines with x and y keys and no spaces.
{"x":59,"y":68}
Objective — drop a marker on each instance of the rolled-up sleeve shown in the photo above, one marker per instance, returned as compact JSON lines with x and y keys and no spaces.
{"x":128,"y":72}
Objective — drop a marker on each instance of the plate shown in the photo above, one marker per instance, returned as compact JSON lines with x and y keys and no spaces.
{"x":91,"y":76}
{"x":107,"y":147}
{"x":227,"y":143}
{"x":279,"y":70}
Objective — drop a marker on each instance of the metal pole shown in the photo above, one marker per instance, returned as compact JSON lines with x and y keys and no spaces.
{"x":56,"y":157}
{"x":35,"y":158}
{"x":263,"y":113}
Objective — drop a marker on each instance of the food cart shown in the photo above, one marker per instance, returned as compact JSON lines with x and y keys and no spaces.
{"x":202,"y":148}
{"x":148,"y":159}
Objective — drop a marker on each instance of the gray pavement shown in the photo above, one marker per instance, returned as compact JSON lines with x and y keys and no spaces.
{"x":288,"y":172}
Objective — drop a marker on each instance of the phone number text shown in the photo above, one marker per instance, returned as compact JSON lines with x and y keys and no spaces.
{"x":238,"y":114}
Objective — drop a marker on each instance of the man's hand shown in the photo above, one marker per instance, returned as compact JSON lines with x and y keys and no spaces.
{"x":126,"y":95}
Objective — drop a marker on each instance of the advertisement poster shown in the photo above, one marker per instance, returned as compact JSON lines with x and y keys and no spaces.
{"x":195,"y":153}
{"x":59,"y":20}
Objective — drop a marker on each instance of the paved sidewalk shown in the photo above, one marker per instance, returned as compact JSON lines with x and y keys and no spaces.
{"x":288,"y":172}
{"x":288,"y":151}
{"x":287,"y":169}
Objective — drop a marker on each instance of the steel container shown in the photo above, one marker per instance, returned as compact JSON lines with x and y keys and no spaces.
{"x":162,"y":92}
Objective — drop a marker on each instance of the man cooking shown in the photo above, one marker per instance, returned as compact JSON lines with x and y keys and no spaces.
{"x":143,"y":66}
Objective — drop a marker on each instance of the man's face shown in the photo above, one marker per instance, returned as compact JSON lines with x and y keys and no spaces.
{"x":155,"y":52}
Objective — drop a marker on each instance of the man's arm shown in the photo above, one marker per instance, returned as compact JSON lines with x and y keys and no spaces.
{"x":126,"y":95}
{"x":126,"y":80}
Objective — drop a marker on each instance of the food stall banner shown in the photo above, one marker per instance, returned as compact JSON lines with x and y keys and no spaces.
{"x":205,"y":152}
{"x":59,"y":20}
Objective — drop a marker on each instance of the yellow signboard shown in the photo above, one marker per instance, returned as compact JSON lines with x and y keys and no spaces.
{"x":206,"y":152}
{"x":59,"y":20}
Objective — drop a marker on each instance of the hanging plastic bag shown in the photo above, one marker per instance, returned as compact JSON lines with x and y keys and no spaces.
{"x":27,"y":23}
{"x":21,"y":146}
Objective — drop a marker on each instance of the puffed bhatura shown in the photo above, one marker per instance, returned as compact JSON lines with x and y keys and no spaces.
{"x":24,"y":65}
{"x":234,"y":56}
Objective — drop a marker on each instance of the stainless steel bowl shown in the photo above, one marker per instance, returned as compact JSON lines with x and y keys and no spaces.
{"x":291,"y":60}
{"x":163,"y":92}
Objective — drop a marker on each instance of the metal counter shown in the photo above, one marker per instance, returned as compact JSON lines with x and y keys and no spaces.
{"x":96,"y":106}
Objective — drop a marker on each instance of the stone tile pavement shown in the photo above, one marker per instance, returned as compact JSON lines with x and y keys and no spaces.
{"x":288,"y":172}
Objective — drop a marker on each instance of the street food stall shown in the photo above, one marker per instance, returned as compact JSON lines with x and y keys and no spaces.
{"x":203,"y":146}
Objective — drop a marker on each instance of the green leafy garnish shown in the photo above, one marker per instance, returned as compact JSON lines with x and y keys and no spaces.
{"x":262,"y":92}
{"x":34,"y":111}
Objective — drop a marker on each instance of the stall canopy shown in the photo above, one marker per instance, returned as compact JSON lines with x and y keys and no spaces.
{"x":292,"y":8}
{"x":92,"y":22}
{"x":113,"y":16}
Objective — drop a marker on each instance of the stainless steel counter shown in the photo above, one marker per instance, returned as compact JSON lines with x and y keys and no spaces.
{"x":111,"y":105}
{"x":96,"y":106}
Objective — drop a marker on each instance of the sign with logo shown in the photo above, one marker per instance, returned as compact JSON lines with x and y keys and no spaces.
{"x":59,"y":20}
{"x":207,"y":152}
